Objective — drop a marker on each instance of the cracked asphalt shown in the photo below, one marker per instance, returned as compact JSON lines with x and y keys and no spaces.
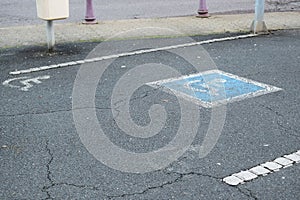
{"x":42,"y":156}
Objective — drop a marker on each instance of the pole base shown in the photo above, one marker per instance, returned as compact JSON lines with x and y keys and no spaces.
{"x":258,"y":27}
{"x":203,"y":14}
{"x":90,"y":22}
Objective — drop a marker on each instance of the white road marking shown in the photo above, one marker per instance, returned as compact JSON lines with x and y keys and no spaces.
{"x":246,"y":175}
{"x":233,"y":180}
{"x":284,"y":162}
{"x":262,"y":169}
{"x":7,"y":82}
{"x":259,"y":170}
{"x":26,"y":81}
{"x":272,"y":166}
{"x":294,"y":157}
{"x":26,"y":71}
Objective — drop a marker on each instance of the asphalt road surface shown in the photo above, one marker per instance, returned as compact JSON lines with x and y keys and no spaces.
{"x":43,"y":156}
{"x":18,"y":13}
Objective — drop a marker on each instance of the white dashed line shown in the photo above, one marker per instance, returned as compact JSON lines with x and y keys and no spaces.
{"x":36,"y":69}
{"x":263,"y":169}
{"x":284,"y":162}
{"x":233,"y":180}
{"x":294,"y":157}
{"x":272,"y":166}
{"x":260,"y":171}
{"x":246,"y":175}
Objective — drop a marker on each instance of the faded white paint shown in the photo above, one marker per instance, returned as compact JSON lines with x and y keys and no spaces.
{"x":36,"y":69}
{"x":25,"y":82}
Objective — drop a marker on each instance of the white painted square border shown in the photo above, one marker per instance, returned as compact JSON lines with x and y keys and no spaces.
{"x":267,"y":89}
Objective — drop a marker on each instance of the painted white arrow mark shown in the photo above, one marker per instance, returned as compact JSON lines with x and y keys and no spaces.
{"x":26,"y":81}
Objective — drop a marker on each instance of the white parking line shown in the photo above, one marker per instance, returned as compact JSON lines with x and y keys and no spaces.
{"x":36,"y":69}
{"x":263,"y":169}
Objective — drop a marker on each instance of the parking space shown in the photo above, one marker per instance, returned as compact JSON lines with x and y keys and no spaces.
{"x":44,"y":153}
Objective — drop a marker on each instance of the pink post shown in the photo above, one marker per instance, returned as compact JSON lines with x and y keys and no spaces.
{"x":89,"y":16}
{"x":203,"y":11}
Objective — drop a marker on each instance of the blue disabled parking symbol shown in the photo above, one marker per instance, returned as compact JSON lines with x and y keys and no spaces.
{"x":214,"y":87}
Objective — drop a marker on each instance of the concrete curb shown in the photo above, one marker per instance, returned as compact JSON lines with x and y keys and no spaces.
{"x":159,"y":27}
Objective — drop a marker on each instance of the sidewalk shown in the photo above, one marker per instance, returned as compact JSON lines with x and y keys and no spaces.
{"x":157,"y":27}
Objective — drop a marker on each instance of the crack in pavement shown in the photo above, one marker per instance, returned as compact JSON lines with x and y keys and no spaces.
{"x":68,"y":110}
{"x":272,"y":110}
{"x":281,"y":118}
{"x":52,"y":184}
{"x":285,"y":128}
{"x":122,"y":101}
{"x":45,"y":188}
{"x":248,"y":192}
{"x":142,"y":96}
{"x":196,"y":174}
{"x":146,"y":190}
{"x":179,"y":178}
{"x":53,"y":111}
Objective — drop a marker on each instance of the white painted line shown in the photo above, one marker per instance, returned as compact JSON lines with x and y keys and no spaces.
{"x":89,"y":60}
{"x":263,"y":169}
{"x":260,"y":171}
{"x":246,"y":175}
{"x":294,"y":157}
{"x":272,"y":166}
{"x":17,"y":72}
{"x":233,"y":180}
{"x":284,"y":161}
{"x":79,"y":62}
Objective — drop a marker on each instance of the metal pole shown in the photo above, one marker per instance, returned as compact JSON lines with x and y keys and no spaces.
{"x":50,"y":35}
{"x":259,"y":10}
{"x":89,"y":16}
{"x":202,"y":11}
{"x":258,"y":24}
